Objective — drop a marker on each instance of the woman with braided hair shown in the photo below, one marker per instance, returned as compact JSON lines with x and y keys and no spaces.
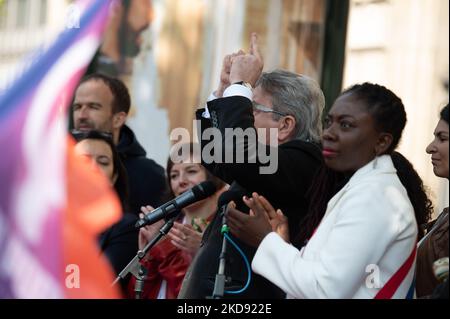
{"x":359,"y":238}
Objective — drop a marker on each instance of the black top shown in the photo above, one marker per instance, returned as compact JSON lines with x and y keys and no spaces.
{"x":119,"y":243}
{"x":286,"y":189}
{"x":146,"y":178}
{"x":298,"y":161}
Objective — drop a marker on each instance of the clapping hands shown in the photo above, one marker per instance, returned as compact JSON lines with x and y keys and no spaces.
{"x":262,"y":220}
{"x":185,"y":237}
{"x":182,"y":236}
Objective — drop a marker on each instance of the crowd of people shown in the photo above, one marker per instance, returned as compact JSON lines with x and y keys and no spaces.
{"x":343,"y":215}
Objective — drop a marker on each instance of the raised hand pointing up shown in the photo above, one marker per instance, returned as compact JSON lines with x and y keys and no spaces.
{"x":248,"y":67}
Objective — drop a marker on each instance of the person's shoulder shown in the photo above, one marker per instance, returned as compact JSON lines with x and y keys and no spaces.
{"x":374,"y":184}
{"x":145,"y":164}
{"x":128,"y":218}
{"x":303,"y":149}
{"x":232,"y":98}
{"x":126,"y":223}
{"x":225,"y":105}
{"x":301,"y":145}
{"x":146,"y":161}
{"x":384,"y":194}
{"x":125,"y":226}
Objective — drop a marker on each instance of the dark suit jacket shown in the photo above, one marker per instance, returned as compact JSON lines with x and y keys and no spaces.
{"x":298,"y":161}
{"x":286,"y":189}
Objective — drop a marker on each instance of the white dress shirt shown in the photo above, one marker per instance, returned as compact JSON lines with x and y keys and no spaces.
{"x":232,"y":90}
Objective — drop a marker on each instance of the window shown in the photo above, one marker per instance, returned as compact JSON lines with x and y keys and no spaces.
{"x":3,"y":14}
{"x":43,"y":12}
{"x":22,"y":13}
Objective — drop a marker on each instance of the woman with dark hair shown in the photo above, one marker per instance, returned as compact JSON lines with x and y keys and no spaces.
{"x":168,"y":261}
{"x":435,"y":244}
{"x":181,"y":176}
{"x":362,"y":228}
{"x":119,"y":243}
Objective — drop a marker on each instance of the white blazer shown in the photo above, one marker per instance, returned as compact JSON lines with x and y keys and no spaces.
{"x":368,"y":231}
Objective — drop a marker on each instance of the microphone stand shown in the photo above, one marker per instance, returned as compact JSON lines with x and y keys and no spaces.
{"x":134,"y":266}
{"x":221,"y":280}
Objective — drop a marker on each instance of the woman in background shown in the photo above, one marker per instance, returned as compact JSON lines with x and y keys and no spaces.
{"x":168,"y":261}
{"x":119,"y":243}
{"x":435,"y":244}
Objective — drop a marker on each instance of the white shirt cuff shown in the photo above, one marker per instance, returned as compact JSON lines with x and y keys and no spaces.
{"x":211,"y":97}
{"x":260,"y":252}
{"x":206,"y":114}
{"x":238,"y":90}
{"x":232,"y":90}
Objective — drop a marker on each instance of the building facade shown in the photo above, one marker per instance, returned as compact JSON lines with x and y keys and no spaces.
{"x":404,"y":45}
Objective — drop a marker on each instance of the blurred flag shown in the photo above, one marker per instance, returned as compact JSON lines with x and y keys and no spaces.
{"x":52,"y":207}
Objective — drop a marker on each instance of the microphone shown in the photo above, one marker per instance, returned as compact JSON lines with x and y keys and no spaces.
{"x":228,"y":196}
{"x":172,"y":207}
{"x":234,"y":193}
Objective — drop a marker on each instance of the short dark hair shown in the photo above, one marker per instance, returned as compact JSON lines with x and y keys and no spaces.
{"x":444,"y":113}
{"x":122,"y":100}
{"x":218,"y":183}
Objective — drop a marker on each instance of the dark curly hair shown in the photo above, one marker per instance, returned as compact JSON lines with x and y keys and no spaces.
{"x":389,"y":116}
{"x":417,"y":193}
{"x":122,"y":100}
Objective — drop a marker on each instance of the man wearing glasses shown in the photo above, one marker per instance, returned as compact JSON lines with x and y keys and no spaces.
{"x":289,"y":103}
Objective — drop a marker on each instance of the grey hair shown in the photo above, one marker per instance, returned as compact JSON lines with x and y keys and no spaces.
{"x":299,"y":96}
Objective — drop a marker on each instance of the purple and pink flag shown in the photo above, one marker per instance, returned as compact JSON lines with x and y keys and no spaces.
{"x":52,"y":207}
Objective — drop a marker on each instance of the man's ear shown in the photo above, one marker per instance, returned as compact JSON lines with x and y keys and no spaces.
{"x":286,"y":128}
{"x":383,"y":144}
{"x":119,"y":119}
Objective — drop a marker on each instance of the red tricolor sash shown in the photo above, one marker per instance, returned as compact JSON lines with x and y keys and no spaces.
{"x":396,"y":280}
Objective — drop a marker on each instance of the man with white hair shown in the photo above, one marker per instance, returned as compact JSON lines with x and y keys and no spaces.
{"x":291,"y":105}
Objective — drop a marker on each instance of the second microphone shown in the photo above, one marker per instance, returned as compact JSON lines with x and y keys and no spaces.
{"x":172,"y":207}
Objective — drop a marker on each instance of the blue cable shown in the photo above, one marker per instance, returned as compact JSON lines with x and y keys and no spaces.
{"x":247,"y":264}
